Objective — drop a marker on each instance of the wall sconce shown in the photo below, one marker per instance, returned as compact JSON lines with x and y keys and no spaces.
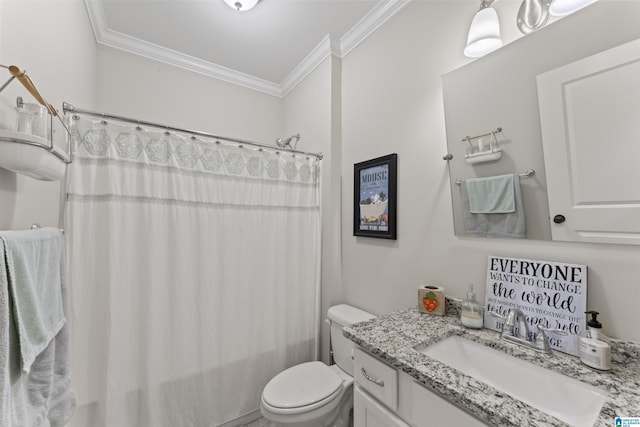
{"x":532,"y":15}
{"x":241,"y":5}
{"x":484,"y":32}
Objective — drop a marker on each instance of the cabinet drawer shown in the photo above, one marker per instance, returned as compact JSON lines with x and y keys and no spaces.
{"x":377,"y":378}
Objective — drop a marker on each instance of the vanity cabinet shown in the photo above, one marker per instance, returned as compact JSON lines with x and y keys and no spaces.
{"x":368,"y":412}
{"x":384,"y":397}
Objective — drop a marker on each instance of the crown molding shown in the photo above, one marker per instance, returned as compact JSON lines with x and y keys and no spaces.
{"x":380,"y":14}
{"x":126,"y":43}
{"x":328,"y":46}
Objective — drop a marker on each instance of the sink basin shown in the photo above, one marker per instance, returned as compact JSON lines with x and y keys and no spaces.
{"x":572,"y":401}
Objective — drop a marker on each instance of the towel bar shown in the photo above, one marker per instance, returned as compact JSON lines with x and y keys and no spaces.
{"x":35,"y":226}
{"x":526,"y":174}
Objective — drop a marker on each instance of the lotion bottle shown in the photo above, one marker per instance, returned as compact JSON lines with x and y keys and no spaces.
{"x":472,"y":310}
{"x":595,"y":350}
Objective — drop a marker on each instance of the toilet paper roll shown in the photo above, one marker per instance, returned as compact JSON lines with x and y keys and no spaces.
{"x":431,"y":299}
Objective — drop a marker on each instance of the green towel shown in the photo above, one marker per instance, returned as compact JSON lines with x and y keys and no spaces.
{"x":492,"y":194}
{"x":33,"y":263}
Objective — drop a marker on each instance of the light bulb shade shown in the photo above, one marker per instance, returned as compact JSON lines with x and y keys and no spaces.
{"x":484,"y":33}
{"x":567,"y":7}
{"x":241,"y":5}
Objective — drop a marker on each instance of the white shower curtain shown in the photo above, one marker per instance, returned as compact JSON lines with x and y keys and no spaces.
{"x":194,"y":274}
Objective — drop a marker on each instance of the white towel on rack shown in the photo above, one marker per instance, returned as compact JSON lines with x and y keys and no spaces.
{"x":496,"y":224}
{"x":33,"y":269}
{"x":43,"y":397}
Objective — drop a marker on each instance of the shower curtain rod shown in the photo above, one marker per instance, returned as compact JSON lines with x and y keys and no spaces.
{"x":69,"y":108}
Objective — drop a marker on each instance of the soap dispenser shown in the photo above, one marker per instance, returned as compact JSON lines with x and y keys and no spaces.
{"x":594,"y":328}
{"x":595,"y":350}
{"x":471,"y":314}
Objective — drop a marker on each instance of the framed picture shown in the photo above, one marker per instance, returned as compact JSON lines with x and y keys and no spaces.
{"x":375,"y":197}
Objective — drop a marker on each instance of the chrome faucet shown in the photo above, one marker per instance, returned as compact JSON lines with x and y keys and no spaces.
{"x":516,"y":330}
{"x":516,"y":325}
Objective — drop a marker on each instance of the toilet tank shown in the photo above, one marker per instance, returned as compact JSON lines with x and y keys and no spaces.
{"x":340,"y":316}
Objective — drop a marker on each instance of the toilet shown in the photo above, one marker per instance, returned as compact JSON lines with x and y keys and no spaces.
{"x":313,"y":394}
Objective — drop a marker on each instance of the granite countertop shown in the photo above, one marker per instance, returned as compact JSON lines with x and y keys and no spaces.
{"x":394,"y":338}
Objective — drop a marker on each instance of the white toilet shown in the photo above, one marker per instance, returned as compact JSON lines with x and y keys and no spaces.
{"x":313,"y":394}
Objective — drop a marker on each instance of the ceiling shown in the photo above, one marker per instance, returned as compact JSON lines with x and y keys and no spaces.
{"x":269,"y":48}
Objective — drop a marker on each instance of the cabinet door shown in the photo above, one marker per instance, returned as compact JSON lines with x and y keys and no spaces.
{"x":589,"y":113}
{"x":428,"y":409}
{"x":367,"y":412}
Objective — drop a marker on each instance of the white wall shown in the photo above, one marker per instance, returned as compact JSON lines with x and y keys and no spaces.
{"x":384,"y":97}
{"x":392,"y":102}
{"x":313,"y":109}
{"x":54,"y":43}
{"x":140,"y":88}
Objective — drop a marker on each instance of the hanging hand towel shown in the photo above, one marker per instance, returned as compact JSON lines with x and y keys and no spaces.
{"x":510,"y":224}
{"x":33,"y":272}
{"x":43,"y":397}
{"x":5,"y":348}
{"x":491,"y":195}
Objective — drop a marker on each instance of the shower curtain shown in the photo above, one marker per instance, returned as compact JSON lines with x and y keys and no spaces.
{"x":194,"y":274}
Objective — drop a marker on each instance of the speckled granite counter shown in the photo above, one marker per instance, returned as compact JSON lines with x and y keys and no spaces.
{"x":394,"y":338}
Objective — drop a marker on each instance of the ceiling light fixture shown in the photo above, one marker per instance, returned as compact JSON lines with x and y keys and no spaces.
{"x":241,"y":5}
{"x":484,"y":32}
{"x":566,"y":7}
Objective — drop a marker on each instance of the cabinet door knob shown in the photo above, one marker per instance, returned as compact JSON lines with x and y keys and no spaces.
{"x":559,"y":219}
{"x":373,"y":380}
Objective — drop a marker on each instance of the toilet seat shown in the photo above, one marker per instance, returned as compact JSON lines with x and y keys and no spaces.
{"x":302,"y":388}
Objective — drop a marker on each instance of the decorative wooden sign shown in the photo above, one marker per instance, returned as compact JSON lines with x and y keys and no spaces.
{"x":550,"y":294}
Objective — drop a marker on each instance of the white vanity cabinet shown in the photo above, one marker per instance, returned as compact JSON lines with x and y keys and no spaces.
{"x":384,"y":397}
{"x":376,"y":393}
{"x":368,"y":412}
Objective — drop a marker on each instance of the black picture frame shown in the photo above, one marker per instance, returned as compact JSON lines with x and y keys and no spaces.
{"x":375,"y":197}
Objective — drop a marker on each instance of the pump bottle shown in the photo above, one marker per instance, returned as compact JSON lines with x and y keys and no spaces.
{"x":471,"y":313}
{"x":595,"y":350}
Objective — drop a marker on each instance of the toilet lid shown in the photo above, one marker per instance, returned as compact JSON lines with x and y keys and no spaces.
{"x":301,"y":385}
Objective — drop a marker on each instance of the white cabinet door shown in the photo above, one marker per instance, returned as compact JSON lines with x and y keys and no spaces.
{"x":428,"y":409}
{"x":590,"y":117}
{"x":368,"y":412}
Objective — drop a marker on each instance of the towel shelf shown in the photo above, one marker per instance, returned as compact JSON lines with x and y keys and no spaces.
{"x":28,"y":154}
{"x":31,"y":155}
{"x":526,"y":174}
{"x":492,"y":133}
{"x":483,"y":152}
{"x":486,"y":156}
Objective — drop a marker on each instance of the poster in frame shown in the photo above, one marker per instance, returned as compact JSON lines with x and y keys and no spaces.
{"x":375,"y":197}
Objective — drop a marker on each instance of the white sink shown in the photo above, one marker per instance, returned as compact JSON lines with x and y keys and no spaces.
{"x":572,"y":401}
